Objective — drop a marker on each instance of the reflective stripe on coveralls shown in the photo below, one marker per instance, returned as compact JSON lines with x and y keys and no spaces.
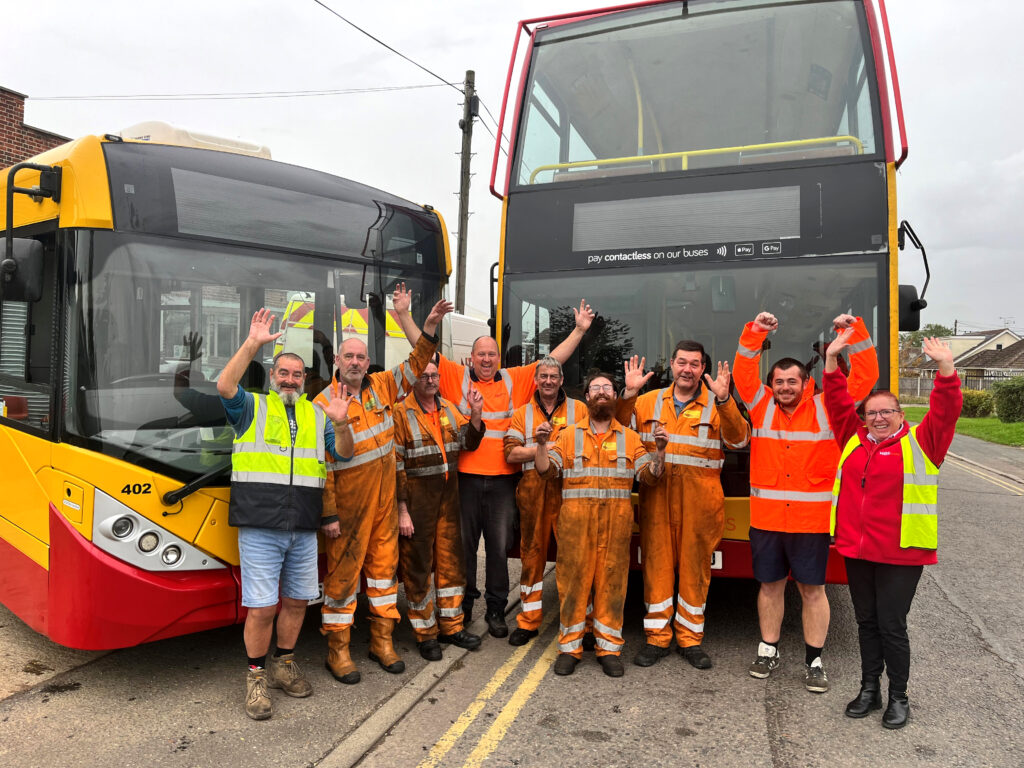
{"x":919,"y":519}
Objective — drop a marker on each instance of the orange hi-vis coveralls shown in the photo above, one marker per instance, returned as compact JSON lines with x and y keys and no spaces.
{"x":538,"y":499}
{"x":427,"y":447}
{"x":594,"y":527}
{"x":361,"y":493}
{"x":683,"y":516}
{"x":793,"y":459}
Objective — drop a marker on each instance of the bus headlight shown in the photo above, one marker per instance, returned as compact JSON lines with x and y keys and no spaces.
{"x":148,"y":541}
{"x":122,"y":527}
{"x":171,"y":555}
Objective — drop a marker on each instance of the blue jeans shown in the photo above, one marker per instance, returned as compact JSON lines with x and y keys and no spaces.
{"x":277,"y":563}
{"x":488,"y":507}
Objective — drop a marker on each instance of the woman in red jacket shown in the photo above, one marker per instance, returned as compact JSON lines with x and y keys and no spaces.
{"x":884,"y":516}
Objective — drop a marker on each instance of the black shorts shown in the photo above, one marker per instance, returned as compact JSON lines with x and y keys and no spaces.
{"x":776,"y":554}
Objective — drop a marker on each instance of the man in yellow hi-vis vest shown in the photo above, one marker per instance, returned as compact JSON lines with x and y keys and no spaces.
{"x":278,"y":472}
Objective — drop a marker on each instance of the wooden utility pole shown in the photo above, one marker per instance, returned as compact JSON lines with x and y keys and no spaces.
{"x":470,"y":109}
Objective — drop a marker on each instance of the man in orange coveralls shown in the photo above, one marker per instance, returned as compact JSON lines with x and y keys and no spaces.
{"x":598,"y":459}
{"x":429,"y":434}
{"x":683,"y":516}
{"x":793,"y":459}
{"x":486,"y":479}
{"x":360,"y":522}
{"x":538,"y":499}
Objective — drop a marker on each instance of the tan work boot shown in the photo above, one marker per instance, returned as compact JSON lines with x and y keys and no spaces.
{"x":339,"y":663}
{"x":284,"y":673}
{"x":381,"y":649}
{"x":257,"y":700}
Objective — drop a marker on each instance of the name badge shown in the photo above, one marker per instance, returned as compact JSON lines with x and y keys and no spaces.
{"x":693,"y":413}
{"x":558,"y":420}
{"x":444,"y":420}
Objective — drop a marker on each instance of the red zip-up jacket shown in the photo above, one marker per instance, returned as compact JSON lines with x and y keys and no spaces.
{"x":871,"y":492}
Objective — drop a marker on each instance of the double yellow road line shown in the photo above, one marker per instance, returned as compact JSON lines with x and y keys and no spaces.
{"x":493,"y":736}
{"x":994,"y":479}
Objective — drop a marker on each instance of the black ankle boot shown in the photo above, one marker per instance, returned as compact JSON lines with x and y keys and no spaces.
{"x":869,"y":698}
{"x":898,"y":711}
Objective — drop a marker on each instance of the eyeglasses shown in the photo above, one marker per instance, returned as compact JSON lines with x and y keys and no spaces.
{"x":595,"y":388}
{"x":885,"y":413}
{"x":430,"y":376}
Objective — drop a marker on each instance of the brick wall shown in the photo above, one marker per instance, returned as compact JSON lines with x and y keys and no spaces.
{"x":19,"y":141}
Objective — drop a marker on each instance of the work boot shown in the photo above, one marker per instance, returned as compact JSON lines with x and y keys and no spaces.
{"x":521,"y":636}
{"x":430,"y":649}
{"x":649,"y":655}
{"x":496,"y":622}
{"x":815,"y":680}
{"x":589,"y":642}
{"x":339,"y":663}
{"x":462,"y":639}
{"x":284,"y":673}
{"x":869,"y":699}
{"x":381,"y":649}
{"x":696,"y":656}
{"x":612,"y":665}
{"x":257,"y":700}
{"x":565,"y":664}
{"x":897,"y":712}
{"x":767,"y":661}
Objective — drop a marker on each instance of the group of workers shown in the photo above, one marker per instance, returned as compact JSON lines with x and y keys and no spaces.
{"x":404,"y":470}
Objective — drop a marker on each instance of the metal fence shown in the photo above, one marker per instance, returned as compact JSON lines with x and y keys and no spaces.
{"x":921,"y":386}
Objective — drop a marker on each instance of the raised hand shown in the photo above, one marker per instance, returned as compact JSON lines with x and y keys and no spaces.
{"x":193,"y":342}
{"x":720,"y":385}
{"x":401,"y":298}
{"x":584,"y":316}
{"x":940,"y":353}
{"x":635,"y":377}
{"x":766,"y":322}
{"x":543,"y":433}
{"x":439,"y":310}
{"x":476,"y":400}
{"x":660,"y":436}
{"x":259,"y":328}
{"x":843,"y":321}
{"x":337,"y":408}
{"x":839,"y":343}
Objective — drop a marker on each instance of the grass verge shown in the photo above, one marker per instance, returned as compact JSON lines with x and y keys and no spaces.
{"x":990,"y":428}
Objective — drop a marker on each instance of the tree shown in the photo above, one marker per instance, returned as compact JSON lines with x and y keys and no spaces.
{"x":913,"y":339}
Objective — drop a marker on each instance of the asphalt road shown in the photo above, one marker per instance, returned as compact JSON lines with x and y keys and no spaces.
{"x":179,"y":702}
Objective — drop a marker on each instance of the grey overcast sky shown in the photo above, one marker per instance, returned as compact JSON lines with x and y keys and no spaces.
{"x":961,"y":187}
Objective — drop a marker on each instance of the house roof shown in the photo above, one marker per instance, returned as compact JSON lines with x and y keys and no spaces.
{"x":1011,"y":357}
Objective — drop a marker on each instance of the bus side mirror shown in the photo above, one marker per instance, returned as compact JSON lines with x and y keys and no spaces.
{"x":22,"y":275}
{"x":910,"y":308}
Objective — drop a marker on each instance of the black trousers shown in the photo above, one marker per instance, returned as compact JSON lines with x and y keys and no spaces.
{"x":488,"y":507}
{"x":882,"y":595}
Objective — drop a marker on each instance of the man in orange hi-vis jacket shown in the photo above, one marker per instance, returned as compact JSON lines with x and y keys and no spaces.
{"x":598,"y":458}
{"x":682,"y":517}
{"x":538,"y":499}
{"x":360,"y":522}
{"x":793,"y":459}
{"x":486,"y":479}
{"x":429,"y":435}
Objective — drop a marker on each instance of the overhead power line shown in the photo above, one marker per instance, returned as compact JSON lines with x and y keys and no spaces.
{"x":381,"y":42}
{"x":234,"y":95}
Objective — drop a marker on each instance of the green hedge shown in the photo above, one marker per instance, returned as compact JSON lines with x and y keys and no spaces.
{"x":1009,"y":399}
{"x":977,"y":404}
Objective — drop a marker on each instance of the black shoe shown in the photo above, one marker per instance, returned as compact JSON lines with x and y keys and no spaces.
{"x":696,"y":656}
{"x":612,"y":665}
{"x":430,"y":650}
{"x":589,"y":642}
{"x":462,"y":639}
{"x":898,"y":711}
{"x":565,"y":664}
{"x":869,"y":699}
{"x":496,"y":623}
{"x":649,"y":655}
{"x":521,"y":636}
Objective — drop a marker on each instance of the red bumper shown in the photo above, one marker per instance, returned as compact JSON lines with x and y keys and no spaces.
{"x":94,"y":601}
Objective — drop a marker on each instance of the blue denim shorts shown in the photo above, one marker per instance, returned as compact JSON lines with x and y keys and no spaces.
{"x":277,"y":563}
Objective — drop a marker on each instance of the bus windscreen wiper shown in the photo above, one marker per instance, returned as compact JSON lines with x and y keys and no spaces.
{"x":173,"y":497}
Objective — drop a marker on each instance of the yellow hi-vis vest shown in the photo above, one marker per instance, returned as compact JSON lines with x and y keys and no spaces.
{"x":264,"y":452}
{"x":919,"y":523}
